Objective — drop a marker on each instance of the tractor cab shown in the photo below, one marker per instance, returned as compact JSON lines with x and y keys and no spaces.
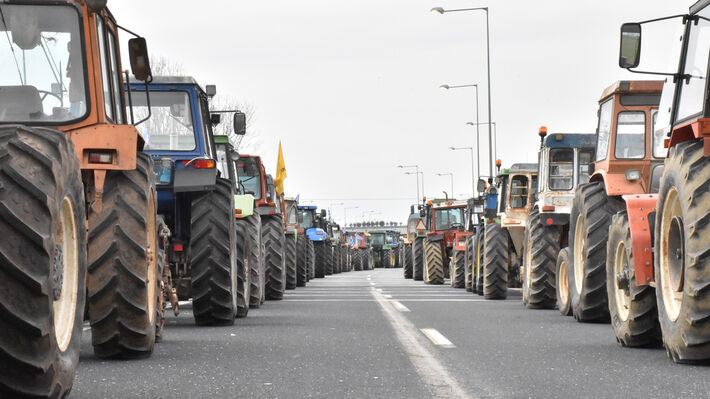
{"x":309,"y":222}
{"x":516,"y":186}
{"x":290,"y":212}
{"x":629,"y":154}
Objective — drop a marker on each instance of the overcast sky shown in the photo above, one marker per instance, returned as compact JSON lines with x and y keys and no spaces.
{"x":351,"y":88}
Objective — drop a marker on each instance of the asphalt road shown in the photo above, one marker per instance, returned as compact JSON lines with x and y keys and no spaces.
{"x":374,"y":334}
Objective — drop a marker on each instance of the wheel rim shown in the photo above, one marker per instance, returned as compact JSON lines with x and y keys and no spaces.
{"x":152,"y":258}
{"x":66,"y":275}
{"x":563,"y":283}
{"x":672,"y":255}
{"x":621,"y":292}
{"x":579,"y":254}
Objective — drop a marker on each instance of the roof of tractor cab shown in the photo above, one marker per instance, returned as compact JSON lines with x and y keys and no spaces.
{"x":449,"y":204}
{"x":571,"y":140}
{"x":172,"y":80}
{"x":698,"y":6}
{"x":307,"y":207}
{"x":523,"y":168}
{"x":633,"y":87}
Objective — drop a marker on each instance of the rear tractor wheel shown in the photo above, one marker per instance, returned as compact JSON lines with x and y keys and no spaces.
{"x":434,"y":263}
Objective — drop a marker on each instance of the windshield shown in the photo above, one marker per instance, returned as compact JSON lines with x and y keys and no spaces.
{"x":561,"y":168}
{"x":377,"y":239}
{"x":448,"y":218}
{"x":41,"y":73}
{"x":250,"y":176}
{"x":696,"y":65}
{"x":630,"y":135}
{"x":292,"y":216}
{"x":170,"y":126}
{"x":307,"y":219}
{"x":604,"y":129}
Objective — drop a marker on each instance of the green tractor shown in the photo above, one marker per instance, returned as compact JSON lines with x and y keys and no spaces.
{"x":382,"y":252}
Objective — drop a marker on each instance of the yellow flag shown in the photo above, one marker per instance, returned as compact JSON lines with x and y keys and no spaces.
{"x":281,"y":174}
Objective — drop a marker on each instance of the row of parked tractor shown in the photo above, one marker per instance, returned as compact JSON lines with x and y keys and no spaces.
{"x":606,"y":227}
{"x":118,"y":201}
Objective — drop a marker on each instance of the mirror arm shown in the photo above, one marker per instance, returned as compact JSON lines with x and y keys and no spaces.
{"x":147,"y":99}
{"x":130,"y":97}
{"x":127,"y":31}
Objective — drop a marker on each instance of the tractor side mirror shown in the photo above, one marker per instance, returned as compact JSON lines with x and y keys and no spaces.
{"x":234,"y":155}
{"x":240,"y":123}
{"x":411,"y":209}
{"x":140,"y":62}
{"x":481,"y":187}
{"x":323,"y":213}
{"x":215,"y":119}
{"x":211,"y":90}
{"x":630,"y":50}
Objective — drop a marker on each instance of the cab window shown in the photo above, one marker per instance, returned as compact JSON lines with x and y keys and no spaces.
{"x":586,"y":165}
{"x":696,"y":66}
{"x":630,"y":135}
{"x":105,"y":74}
{"x":604,"y":129}
{"x":561,"y":169}
{"x":519,"y":191}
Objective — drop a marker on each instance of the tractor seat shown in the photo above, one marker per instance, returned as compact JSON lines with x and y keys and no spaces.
{"x":19,"y":103}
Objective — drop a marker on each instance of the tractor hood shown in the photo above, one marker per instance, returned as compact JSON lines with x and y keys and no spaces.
{"x":316,"y":234}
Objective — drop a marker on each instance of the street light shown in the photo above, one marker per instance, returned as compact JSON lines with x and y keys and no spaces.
{"x":473,"y":177}
{"x":417,"y":168}
{"x":478,"y":130}
{"x":495,"y":134}
{"x":440,"y":10}
{"x":452,"y":181}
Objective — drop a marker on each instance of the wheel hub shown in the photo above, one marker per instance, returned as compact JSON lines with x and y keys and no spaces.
{"x":58,"y":272}
{"x":676,"y":260}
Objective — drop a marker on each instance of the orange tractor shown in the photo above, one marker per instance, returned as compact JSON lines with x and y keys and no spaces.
{"x":77,"y":197}
{"x":628,"y":162}
{"x":445,"y":241}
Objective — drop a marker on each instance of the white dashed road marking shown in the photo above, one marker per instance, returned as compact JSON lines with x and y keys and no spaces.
{"x":400,"y":307}
{"x":437,"y":338}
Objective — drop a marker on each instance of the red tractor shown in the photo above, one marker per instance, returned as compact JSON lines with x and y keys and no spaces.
{"x":446,"y":239}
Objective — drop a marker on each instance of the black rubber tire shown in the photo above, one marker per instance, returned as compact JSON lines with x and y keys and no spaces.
{"x":329,"y":259}
{"x":321,"y":258}
{"x":495,"y":262}
{"x":687,"y":339}
{"x":457,"y":270}
{"x":213,"y":246}
{"x":255,"y":257}
{"x":418,"y":259}
{"x":243,"y":270}
{"x":301,"y":260}
{"x":162,"y":264}
{"x":433,"y":263}
{"x":356,"y":260}
{"x":594,"y":209}
{"x":274,"y":240}
{"x":291,"y":262}
{"x":468,"y":264}
{"x":540,"y":249}
{"x":407,"y":266}
{"x":479,"y":244}
{"x":337,"y":259}
{"x":397,"y":257}
{"x":38,"y":170}
{"x":639,"y":327}
{"x":311,"y":260}
{"x":121,"y":239}
{"x":562,"y":283}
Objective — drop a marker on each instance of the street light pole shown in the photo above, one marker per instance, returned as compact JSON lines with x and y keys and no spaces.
{"x":494,"y":144}
{"x":441,"y":10}
{"x":417,"y":168}
{"x":452,"y":181}
{"x":478,"y":131}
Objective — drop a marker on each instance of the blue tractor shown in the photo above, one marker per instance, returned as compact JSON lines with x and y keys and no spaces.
{"x":196,"y":203}
{"x":318,"y":243}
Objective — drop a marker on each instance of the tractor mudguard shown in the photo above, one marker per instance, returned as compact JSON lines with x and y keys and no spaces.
{"x":555,"y":219}
{"x":639,"y":207}
{"x":191,"y":179}
{"x":435,"y":237}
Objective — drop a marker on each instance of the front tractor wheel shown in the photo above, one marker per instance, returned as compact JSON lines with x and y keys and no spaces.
{"x":682,"y":264}
{"x":590,"y":218}
{"x":407,"y":260}
{"x":418,"y":259}
{"x":433,"y":263}
{"x":457,"y":270}
{"x":43,"y":252}
{"x":495,"y":262}
{"x":562,"y":286}
{"x":123,"y":281}
{"x":632,"y":307}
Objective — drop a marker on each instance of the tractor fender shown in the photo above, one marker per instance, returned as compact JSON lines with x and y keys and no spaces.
{"x":434,"y":237}
{"x":616,"y":184}
{"x":641,"y":210}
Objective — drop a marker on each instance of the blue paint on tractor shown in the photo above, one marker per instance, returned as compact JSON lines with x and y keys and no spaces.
{"x":570,"y":140}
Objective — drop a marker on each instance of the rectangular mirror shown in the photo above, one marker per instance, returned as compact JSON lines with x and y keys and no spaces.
{"x":215,"y":119}
{"x":240,"y":123}
{"x":630,"y":49}
{"x":140,"y":61}
{"x":481,"y":187}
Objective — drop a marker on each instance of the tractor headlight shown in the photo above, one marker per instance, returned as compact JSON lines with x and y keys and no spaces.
{"x":632,"y":175}
{"x":163,"y":169}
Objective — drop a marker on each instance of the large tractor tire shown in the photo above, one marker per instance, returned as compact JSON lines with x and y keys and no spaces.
{"x":479,"y":246}
{"x":433,"y":263}
{"x":418,"y":259}
{"x":213,"y":246}
{"x":311,"y":260}
{"x":496,"y":259}
{"x":457,"y":270}
{"x":301,"y":261}
{"x":407,"y":261}
{"x":468,"y":263}
{"x":541,"y":247}
{"x":591,"y":216}
{"x":357,"y":260}
{"x":634,"y":316}
{"x":243,"y":270}
{"x":43,"y":252}
{"x":338,"y":263}
{"x":682,"y":265}
{"x":321,"y":258}
{"x":329,"y":259}
{"x":272,"y":235}
{"x":291,"y":272}
{"x":562,"y":287}
{"x":256,"y":259}
{"x":123,"y":281}
{"x":397,"y":257}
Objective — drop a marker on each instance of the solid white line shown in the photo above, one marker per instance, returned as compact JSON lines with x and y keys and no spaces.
{"x":437,"y":338}
{"x":431,"y":371}
{"x":400,"y":307}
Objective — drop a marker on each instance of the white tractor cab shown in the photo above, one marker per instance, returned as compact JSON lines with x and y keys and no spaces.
{"x":565,"y":161}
